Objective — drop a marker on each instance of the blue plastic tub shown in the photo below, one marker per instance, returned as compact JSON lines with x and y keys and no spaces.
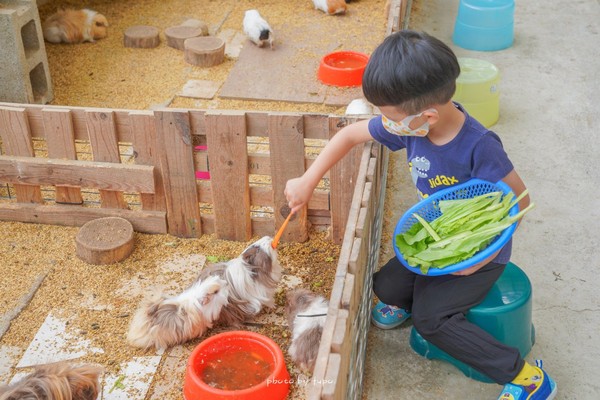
{"x":484,"y":25}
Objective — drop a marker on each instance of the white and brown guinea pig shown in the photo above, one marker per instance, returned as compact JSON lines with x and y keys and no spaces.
{"x":75,"y":26}
{"x":306,"y":314}
{"x":330,"y":7}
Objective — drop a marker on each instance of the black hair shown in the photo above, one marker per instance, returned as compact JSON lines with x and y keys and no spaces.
{"x":410,"y":70}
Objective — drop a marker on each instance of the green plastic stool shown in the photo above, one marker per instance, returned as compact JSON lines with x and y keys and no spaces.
{"x":505,"y":313}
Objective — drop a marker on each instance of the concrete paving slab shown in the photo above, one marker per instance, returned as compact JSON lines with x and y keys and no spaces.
{"x":199,"y":89}
{"x":134,"y":380}
{"x":53,"y":343}
{"x":549,"y":93}
{"x":172,"y":371}
{"x":9,"y":356}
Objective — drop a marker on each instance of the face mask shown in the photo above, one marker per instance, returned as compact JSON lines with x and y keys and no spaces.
{"x":403,"y":128}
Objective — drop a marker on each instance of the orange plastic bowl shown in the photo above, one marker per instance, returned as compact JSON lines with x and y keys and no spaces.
{"x":211,"y":351}
{"x":342,"y":68}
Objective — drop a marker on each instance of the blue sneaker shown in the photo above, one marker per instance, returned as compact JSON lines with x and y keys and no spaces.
{"x":545,"y":391}
{"x":385,"y":316}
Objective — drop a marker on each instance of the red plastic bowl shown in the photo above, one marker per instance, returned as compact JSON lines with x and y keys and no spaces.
{"x":342,"y":68}
{"x":275,"y":387}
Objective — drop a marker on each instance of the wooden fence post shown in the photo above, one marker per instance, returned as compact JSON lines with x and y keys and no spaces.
{"x":174,"y":141}
{"x":60,"y":140}
{"x":16,"y":141}
{"x":228,"y":158}
{"x":286,"y":146}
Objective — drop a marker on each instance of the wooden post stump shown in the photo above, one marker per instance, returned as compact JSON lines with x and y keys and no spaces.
{"x":204,"y":51}
{"x":105,"y":240}
{"x":141,"y":36}
{"x":176,"y":35}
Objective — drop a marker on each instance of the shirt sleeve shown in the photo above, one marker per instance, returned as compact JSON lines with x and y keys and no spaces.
{"x":380,"y":134}
{"x":490,"y":161}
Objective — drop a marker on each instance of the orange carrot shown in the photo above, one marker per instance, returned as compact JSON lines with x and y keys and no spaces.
{"x":275,"y":241}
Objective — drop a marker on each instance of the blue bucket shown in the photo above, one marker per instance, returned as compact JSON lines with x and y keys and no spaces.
{"x":484,"y":25}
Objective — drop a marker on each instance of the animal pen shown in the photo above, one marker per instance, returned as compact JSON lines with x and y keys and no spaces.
{"x":68,"y":165}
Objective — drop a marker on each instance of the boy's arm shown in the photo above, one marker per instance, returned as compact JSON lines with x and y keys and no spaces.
{"x":299,"y":190}
{"x":516,"y":184}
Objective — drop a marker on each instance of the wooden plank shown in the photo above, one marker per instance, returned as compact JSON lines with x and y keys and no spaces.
{"x":371,"y":169}
{"x":332,"y":376}
{"x":342,"y":181}
{"x":91,"y":174}
{"x":16,"y":141}
{"x":143,"y":133}
{"x":342,"y":344}
{"x":79,"y":119}
{"x":349,"y":291}
{"x":174,"y":142}
{"x":360,"y":222}
{"x":316,"y":126}
{"x":366,"y":197}
{"x":286,"y":145}
{"x":227,"y":155}
{"x":69,"y":215}
{"x":60,"y":142}
{"x":105,"y":148}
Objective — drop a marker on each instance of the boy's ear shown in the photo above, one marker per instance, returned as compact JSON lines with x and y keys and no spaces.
{"x":432,"y":115}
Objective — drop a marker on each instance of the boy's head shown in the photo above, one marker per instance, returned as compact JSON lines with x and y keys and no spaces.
{"x":412,"y":71}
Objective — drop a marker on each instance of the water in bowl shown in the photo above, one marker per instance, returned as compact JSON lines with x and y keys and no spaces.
{"x":349,"y":63}
{"x":236,"y":370}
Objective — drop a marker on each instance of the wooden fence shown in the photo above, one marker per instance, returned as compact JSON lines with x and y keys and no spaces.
{"x":163,"y":169}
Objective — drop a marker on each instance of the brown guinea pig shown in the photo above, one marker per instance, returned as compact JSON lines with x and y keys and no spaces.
{"x":331,"y":7}
{"x":75,"y":26}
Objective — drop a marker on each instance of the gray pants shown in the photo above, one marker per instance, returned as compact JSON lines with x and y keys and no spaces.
{"x":438,"y":305}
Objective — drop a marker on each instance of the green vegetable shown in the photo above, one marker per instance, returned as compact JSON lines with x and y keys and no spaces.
{"x":465,"y":227}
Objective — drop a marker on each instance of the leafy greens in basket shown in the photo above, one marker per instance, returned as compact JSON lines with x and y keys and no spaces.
{"x":465,"y":227}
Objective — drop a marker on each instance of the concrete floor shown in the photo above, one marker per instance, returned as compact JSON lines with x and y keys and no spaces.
{"x":548,"y":123}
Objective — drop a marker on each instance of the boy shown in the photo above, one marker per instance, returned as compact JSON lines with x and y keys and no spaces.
{"x":411,"y":77}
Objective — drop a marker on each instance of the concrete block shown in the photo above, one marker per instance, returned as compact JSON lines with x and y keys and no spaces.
{"x":24,"y":73}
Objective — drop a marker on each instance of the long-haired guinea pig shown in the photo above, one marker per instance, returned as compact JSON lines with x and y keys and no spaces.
{"x":330,"y":7}
{"x":58,"y":381}
{"x":163,"y":321}
{"x":251,"y":279}
{"x":306,"y":313}
{"x":75,"y":26}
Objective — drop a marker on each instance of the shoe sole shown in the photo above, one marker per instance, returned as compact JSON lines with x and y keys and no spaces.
{"x":385,"y":326}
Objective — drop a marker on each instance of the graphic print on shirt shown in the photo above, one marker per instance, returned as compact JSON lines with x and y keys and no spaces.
{"x":418,"y":168}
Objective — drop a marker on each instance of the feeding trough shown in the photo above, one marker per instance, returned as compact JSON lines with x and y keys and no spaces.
{"x":239,"y":365}
{"x":342,"y":68}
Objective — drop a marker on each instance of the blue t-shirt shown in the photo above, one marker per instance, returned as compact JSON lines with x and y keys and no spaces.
{"x":475,"y":152}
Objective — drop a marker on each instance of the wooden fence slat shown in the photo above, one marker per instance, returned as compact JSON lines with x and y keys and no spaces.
{"x":342,"y":180}
{"x":143,"y":133}
{"x":66,"y":215}
{"x":174,"y":140}
{"x":286,"y":145}
{"x":60,"y":141}
{"x":105,"y":148}
{"x":16,"y":141}
{"x":227,"y":155}
{"x":91,"y":174}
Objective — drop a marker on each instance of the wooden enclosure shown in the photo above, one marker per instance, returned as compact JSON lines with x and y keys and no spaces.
{"x":249,"y":156}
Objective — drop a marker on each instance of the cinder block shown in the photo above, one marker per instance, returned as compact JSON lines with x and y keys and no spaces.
{"x":24,"y":73}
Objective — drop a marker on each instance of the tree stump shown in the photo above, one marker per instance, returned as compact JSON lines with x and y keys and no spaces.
{"x":176,"y":35}
{"x":141,"y":36}
{"x":204,"y":51}
{"x":105,"y":240}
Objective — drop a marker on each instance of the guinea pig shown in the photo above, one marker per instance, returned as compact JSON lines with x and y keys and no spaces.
{"x":257,"y":29}
{"x":306,"y":313}
{"x":60,"y":381}
{"x":330,"y":7}
{"x":252,"y":279}
{"x":75,"y":26}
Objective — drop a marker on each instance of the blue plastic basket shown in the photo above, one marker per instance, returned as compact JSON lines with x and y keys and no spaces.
{"x":428,"y":209}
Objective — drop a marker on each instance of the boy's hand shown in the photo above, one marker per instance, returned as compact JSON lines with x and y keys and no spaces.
{"x":297,"y":192}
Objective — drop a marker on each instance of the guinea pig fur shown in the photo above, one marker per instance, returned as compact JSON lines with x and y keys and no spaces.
{"x":57,"y":381}
{"x":306,"y":313}
{"x":163,"y":321}
{"x":75,"y":26}
{"x":252,"y":280}
{"x":331,"y":7}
